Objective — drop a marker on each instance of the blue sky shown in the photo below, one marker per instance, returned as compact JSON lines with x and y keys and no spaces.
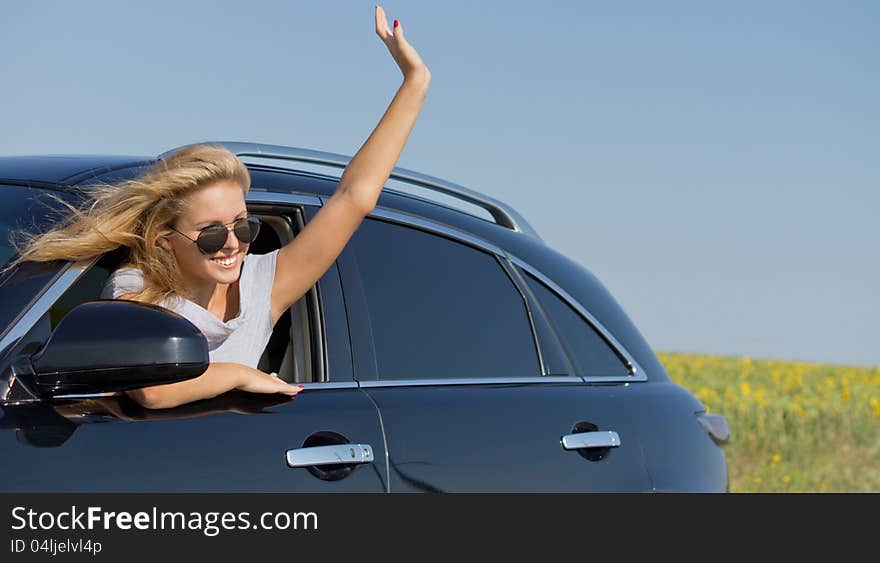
{"x":714,"y":164}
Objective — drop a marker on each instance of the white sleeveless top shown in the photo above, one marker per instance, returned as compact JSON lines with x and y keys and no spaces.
{"x":240,"y":340}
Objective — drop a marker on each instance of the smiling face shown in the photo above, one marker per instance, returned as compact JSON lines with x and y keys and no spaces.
{"x":219,"y":203}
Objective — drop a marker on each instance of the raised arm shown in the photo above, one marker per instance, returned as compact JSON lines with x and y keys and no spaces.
{"x":304,"y":260}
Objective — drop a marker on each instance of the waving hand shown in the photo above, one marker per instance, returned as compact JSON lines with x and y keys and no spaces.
{"x":404,"y":55}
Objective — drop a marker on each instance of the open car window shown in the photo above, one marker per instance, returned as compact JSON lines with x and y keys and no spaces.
{"x":290,"y":351}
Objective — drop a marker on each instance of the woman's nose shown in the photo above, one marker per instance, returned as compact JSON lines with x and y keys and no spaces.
{"x":232,"y":241}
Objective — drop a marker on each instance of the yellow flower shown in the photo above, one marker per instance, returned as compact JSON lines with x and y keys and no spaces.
{"x":760,"y":397}
{"x":777,"y":376}
{"x":745,"y":388}
{"x":746,"y":367}
{"x":777,"y":458}
{"x":786,"y":478}
{"x":703,"y":393}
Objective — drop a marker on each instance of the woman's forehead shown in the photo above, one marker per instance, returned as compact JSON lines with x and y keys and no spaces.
{"x":221,"y":201}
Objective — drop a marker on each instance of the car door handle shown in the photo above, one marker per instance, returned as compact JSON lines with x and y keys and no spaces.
{"x":597,"y":439}
{"x":327,"y":455}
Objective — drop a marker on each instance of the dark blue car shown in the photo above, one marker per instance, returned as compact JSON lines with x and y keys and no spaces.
{"x":448,"y":349}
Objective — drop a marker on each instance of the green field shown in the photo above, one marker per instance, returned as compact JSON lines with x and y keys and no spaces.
{"x":795,"y":426}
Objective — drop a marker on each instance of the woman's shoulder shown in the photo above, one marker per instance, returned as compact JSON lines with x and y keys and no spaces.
{"x":124,"y":281}
{"x":259,"y":268}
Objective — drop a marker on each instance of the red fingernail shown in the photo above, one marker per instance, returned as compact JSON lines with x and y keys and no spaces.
{"x":396,"y":23}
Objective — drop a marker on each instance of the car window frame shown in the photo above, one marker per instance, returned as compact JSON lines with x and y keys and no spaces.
{"x":636,"y":373}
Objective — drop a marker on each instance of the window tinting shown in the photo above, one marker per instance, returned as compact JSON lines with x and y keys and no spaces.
{"x":554,"y":359}
{"x":588,"y":351}
{"x":440,"y":309}
{"x":22,"y":210}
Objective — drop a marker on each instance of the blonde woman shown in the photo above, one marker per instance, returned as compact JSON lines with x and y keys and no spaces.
{"x":186,"y":229}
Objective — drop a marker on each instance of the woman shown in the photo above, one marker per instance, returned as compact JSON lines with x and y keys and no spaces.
{"x":186,"y":229}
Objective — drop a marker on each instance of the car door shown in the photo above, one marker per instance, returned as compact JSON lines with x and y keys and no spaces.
{"x":450,"y":350}
{"x":326,"y":439}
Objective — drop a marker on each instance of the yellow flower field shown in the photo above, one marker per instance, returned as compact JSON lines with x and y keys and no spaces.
{"x":795,"y":426}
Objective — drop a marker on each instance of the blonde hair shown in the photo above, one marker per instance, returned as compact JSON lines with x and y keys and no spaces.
{"x":135,"y":214}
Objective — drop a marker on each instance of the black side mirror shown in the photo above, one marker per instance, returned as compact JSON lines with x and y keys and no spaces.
{"x":113,"y":345}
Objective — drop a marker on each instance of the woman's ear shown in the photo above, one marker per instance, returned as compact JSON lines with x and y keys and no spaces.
{"x":164,"y":243}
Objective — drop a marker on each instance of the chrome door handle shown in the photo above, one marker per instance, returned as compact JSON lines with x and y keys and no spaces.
{"x":327,"y":455}
{"x":598,"y":439}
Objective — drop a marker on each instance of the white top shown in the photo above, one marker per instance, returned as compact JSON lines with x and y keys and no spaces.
{"x":240,"y":340}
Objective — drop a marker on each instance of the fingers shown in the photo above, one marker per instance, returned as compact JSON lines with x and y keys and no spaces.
{"x":270,"y":383}
{"x":281,"y":386}
{"x":287,"y":389}
{"x":382,"y":29}
{"x":404,"y":55}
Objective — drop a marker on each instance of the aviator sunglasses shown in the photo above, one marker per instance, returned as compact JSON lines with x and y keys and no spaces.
{"x":213,"y":238}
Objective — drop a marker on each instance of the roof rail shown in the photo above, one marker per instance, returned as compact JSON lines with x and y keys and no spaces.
{"x":502,"y":213}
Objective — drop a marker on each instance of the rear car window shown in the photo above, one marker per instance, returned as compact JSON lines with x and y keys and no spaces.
{"x":440,"y":309}
{"x":588,"y":351}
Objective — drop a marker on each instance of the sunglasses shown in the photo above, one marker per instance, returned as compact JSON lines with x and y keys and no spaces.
{"x":213,"y":238}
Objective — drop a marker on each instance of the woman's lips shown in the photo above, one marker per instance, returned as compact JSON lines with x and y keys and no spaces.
{"x":227,"y":262}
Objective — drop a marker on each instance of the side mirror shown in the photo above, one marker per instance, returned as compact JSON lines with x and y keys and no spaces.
{"x":111,"y":345}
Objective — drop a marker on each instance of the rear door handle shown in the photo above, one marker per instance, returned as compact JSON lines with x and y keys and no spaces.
{"x":597,"y":439}
{"x":328,"y":455}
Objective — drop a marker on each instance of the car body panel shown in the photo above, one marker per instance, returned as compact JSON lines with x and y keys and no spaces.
{"x":232,"y":443}
{"x":681,"y":456}
{"x":506,"y":438}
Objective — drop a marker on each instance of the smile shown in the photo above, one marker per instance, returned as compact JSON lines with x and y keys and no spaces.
{"x":226,"y":262}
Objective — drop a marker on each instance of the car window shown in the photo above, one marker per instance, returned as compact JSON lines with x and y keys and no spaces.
{"x":554,"y":359}
{"x":22,"y":209}
{"x":438,"y":308}
{"x":588,"y":351}
{"x":86,"y":288}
